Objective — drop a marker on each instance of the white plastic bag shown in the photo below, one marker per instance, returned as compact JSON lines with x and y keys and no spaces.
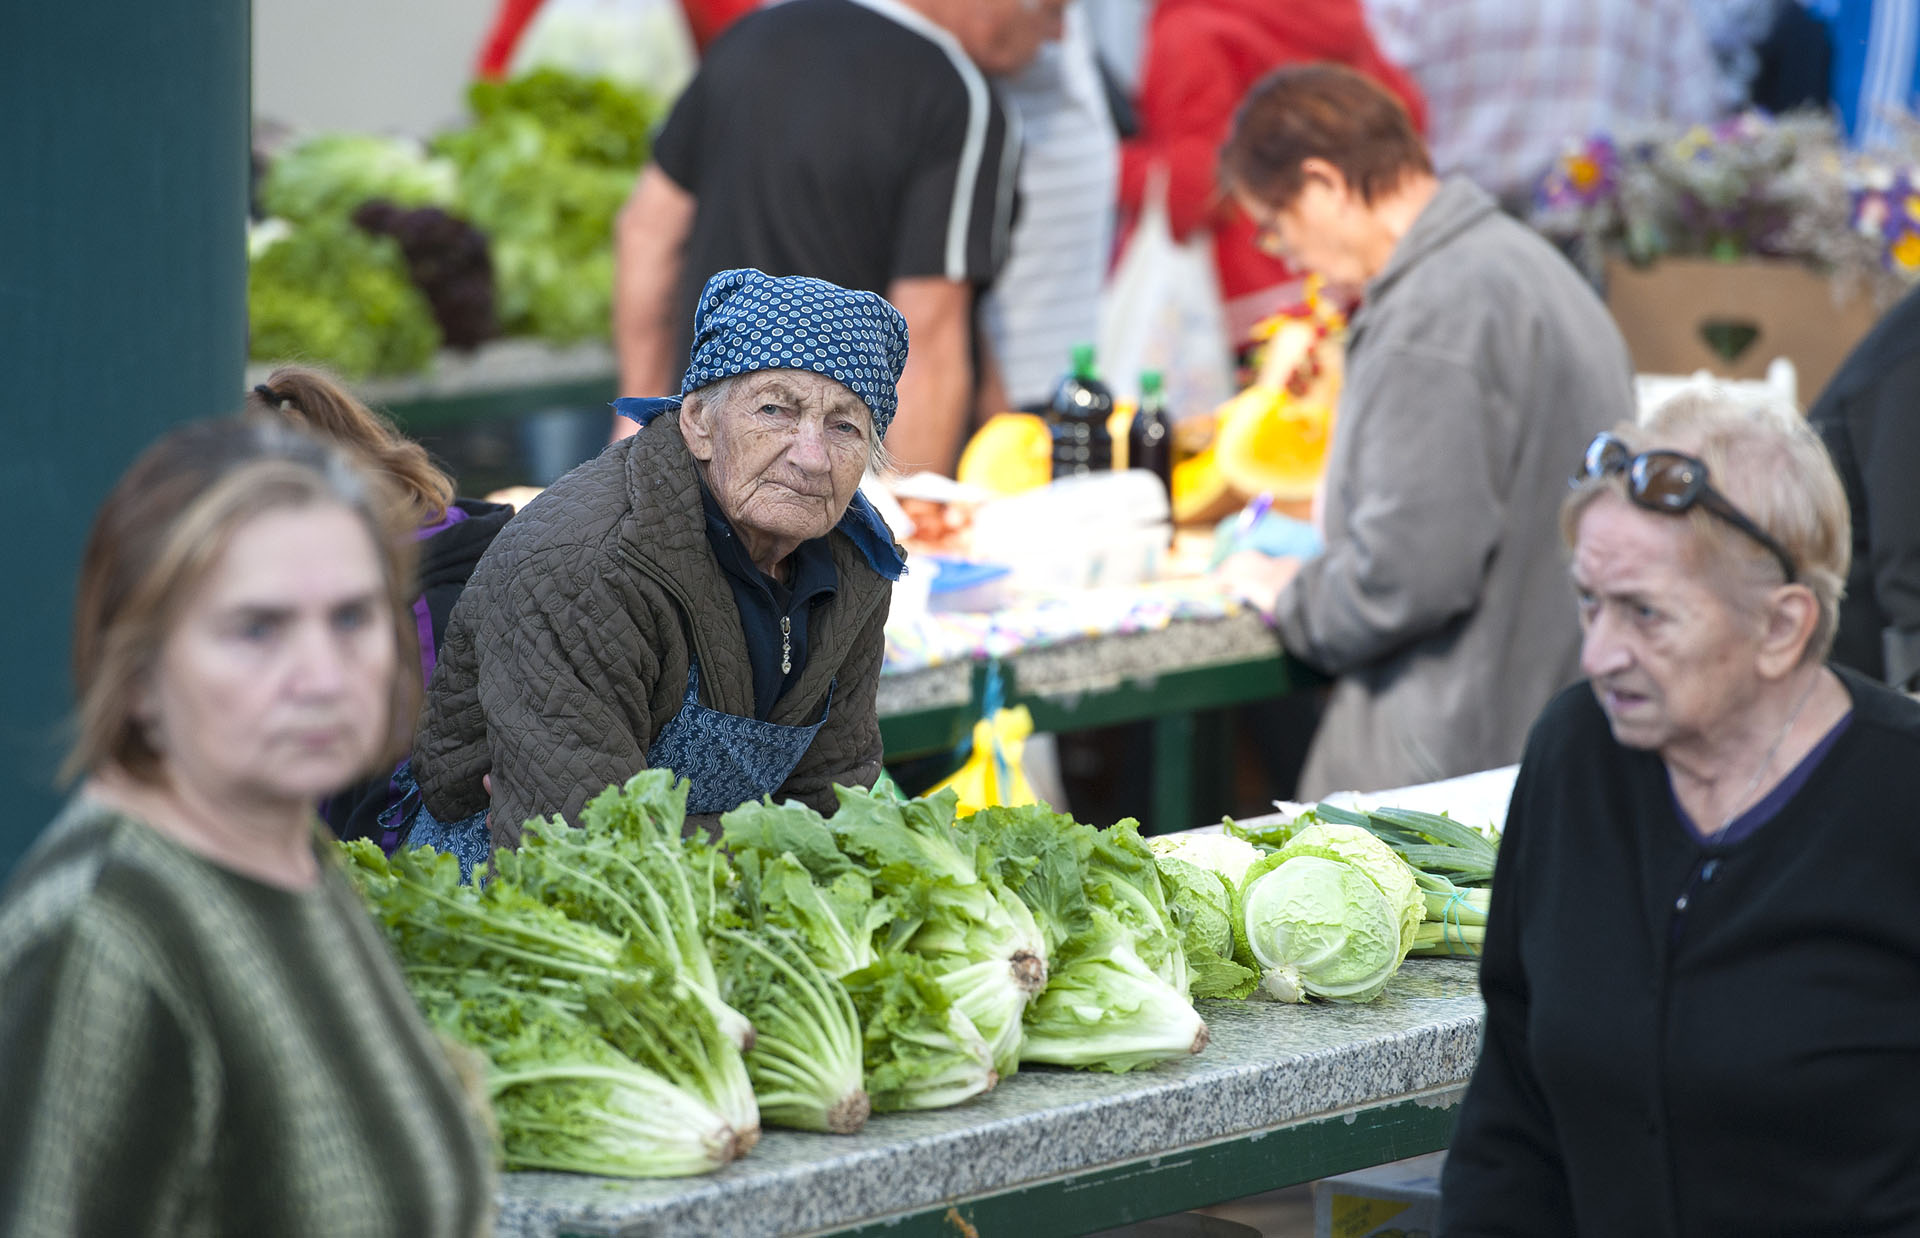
{"x":1161,"y":310}
{"x":637,"y":43}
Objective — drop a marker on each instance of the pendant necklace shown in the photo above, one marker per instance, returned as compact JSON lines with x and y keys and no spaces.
{"x":1767,"y":760}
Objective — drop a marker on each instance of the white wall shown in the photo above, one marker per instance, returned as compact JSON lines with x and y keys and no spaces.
{"x":371,"y":66}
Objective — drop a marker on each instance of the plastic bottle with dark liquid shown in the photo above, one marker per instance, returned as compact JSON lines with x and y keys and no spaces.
{"x":1150,"y":437}
{"x":1077,"y":420}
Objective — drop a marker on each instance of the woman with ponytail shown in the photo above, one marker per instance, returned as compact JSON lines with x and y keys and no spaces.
{"x":451,"y":534}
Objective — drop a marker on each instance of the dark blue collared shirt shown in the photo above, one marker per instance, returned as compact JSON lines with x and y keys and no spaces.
{"x":763,"y":602}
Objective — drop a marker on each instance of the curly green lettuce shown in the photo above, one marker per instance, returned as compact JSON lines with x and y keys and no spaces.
{"x":919,"y":1050}
{"x":327,"y":293}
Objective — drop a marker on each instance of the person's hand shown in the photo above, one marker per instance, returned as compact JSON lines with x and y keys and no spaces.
{"x":1257,"y":579}
{"x":518,"y":497}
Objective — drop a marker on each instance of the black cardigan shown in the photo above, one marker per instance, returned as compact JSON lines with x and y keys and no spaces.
{"x":1753,"y":1070}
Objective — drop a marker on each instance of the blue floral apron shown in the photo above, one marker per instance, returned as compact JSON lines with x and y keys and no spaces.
{"x":467,"y":839}
{"x":729,"y":759}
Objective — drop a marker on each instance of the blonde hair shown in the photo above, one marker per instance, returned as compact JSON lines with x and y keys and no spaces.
{"x":316,"y":403}
{"x":161,"y":530}
{"x":1769,"y":463}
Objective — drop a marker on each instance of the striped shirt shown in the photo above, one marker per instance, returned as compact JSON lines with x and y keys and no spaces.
{"x":1048,"y":297}
{"x":1510,"y":82}
{"x":186,"y":1051}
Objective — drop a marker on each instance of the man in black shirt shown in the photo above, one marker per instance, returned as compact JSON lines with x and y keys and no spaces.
{"x":856,"y":141}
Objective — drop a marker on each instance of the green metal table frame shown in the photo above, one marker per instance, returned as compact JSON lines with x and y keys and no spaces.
{"x":1189,"y":740}
{"x":1167,"y":1182}
{"x":1184,"y":1178}
{"x":426,"y":414}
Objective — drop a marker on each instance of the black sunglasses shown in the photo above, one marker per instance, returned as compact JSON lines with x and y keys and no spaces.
{"x":1672,"y":482}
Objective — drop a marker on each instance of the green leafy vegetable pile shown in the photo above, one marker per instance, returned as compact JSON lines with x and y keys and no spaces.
{"x":320,"y":288}
{"x":1017,"y":928}
{"x":1117,"y":993}
{"x":329,"y":176}
{"x":805,"y":1062}
{"x":327,"y":292}
{"x":543,"y":171}
{"x":1200,"y":899}
{"x":646,"y":1001}
{"x":920,"y":1050}
{"x":581,"y":970}
{"x":981,"y":942}
{"x":505,"y":225}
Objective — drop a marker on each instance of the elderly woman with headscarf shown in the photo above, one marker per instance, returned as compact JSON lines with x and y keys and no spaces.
{"x":1702,"y":962}
{"x":709,"y":595}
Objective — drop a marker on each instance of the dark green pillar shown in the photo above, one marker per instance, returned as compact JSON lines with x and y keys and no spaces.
{"x":123,"y":180}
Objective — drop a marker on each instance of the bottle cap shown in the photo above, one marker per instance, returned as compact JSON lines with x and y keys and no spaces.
{"x":1149,"y":381}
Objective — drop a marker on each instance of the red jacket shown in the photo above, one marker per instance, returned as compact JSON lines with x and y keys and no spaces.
{"x":709,"y":17}
{"x":706,"y":18}
{"x":1202,"y":58}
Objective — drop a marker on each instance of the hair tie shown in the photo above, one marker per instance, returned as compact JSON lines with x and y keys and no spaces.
{"x":269,"y":395}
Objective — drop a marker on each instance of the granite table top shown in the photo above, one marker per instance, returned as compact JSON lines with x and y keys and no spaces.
{"x":1099,"y":663}
{"x":1268,"y":1066}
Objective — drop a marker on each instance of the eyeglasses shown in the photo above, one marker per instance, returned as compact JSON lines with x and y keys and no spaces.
{"x":1672,"y":482}
{"x":1266,"y":239}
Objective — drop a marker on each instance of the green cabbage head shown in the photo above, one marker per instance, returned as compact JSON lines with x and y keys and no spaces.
{"x":1220,"y":853}
{"x":1359,"y":847}
{"x":1318,"y":928}
{"x":1200,"y":902}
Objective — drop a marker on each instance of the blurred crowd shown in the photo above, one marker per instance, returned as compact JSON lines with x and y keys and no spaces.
{"x":1087,"y":110}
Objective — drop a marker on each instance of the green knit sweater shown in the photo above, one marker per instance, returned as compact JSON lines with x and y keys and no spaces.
{"x":186,"y":1051}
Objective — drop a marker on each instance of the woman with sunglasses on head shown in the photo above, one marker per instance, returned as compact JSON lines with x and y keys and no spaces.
{"x":1477,"y":365}
{"x":1702,"y":962}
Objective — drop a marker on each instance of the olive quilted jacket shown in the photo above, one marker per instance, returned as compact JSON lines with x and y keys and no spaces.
{"x":569,"y":649}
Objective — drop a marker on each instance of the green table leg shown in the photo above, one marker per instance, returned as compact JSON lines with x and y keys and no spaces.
{"x":1173,"y":774}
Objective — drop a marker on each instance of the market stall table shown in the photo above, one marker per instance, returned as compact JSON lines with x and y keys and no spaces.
{"x":501,"y":378}
{"x":1164,"y":676}
{"x":1282,"y":1095}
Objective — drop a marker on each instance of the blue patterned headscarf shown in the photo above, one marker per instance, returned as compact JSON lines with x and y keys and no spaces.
{"x":748,"y":320}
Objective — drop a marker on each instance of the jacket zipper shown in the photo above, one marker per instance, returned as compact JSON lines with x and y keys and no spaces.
{"x":672,"y":589}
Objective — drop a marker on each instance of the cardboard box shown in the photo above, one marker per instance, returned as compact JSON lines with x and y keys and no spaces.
{"x":1397,"y":1200}
{"x":1674,"y":313}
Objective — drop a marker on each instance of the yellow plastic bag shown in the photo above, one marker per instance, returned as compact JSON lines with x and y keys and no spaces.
{"x":991,"y":775}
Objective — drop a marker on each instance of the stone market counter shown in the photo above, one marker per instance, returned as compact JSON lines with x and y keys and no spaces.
{"x":1282,"y":1095}
{"x":1066,"y":673}
{"x":1167,"y":676}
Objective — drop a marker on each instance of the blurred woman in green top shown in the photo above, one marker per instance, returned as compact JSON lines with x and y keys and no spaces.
{"x":202,"y":1033}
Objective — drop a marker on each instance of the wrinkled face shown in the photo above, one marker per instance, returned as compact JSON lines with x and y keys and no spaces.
{"x":1671,"y":662}
{"x":784,"y":452}
{"x":275,"y":685}
{"x":1321,"y":231}
{"x":1003,"y":36}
